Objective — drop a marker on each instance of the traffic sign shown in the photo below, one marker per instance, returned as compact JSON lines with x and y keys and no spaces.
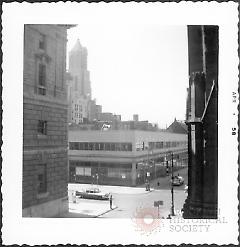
{"x":158,"y":203}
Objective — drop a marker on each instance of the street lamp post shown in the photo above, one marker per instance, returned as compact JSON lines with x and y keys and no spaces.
{"x":97,"y":178}
{"x":148,"y":172}
{"x":172,"y":192}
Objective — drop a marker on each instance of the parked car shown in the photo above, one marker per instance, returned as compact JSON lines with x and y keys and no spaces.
{"x":92,"y":193}
{"x":177,"y":180}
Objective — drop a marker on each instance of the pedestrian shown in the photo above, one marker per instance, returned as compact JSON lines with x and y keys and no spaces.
{"x":110,"y":201}
{"x":74,"y":197}
{"x":158,"y":183}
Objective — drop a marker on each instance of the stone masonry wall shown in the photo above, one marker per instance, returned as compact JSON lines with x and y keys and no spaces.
{"x":55,"y":50}
{"x":49,"y":148}
{"x":56,"y":161}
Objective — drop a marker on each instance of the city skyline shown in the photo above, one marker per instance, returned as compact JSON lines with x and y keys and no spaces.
{"x":137,"y":69}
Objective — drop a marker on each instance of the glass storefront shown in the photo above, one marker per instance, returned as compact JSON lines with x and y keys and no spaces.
{"x":121,"y":173}
{"x":99,"y":173}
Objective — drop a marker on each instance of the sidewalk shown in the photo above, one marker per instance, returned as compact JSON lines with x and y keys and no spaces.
{"x":109,"y":189}
{"x":94,"y":208}
{"x":87,"y":208}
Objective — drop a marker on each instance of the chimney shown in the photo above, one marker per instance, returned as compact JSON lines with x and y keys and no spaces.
{"x":135,"y":117}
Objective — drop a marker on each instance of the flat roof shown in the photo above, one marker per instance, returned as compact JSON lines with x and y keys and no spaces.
{"x":123,"y":136}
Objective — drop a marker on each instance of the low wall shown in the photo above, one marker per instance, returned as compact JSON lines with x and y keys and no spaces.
{"x":48,"y":209}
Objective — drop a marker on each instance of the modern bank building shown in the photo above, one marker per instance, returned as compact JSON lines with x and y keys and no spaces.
{"x":124,"y":157}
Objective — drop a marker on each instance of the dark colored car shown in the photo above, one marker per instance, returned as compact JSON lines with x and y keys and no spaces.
{"x":92,"y":193}
{"x":178,"y":180}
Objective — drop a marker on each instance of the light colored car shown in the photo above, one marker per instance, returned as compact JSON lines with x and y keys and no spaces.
{"x":92,"y":193}
{"x":177,"y":180}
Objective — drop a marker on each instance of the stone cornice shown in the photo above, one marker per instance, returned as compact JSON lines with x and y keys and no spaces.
{"x":41,"y":100}
{"x":51,"y":149}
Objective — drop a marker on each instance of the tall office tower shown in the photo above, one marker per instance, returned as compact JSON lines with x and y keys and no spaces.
{"x":79,"y":88}
{"x":45,"y":160}
{"x":78,"y":70}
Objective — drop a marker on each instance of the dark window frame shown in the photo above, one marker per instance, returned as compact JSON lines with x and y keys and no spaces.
{"x":42,"y":69}
{"x":112,"y":146}
{"x":107,"y":146}
{"x":42,"y":79}
{"x":42,"y":178}
{"x":42,"y":42}
{"x":42,"y":127}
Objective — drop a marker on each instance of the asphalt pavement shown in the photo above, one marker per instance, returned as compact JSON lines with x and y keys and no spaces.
{"x":164,"y":182}
{"x":128,"y":205}
{"x":129,"y":202}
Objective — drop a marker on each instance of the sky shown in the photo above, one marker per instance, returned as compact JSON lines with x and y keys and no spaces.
{"x":136,"y":67}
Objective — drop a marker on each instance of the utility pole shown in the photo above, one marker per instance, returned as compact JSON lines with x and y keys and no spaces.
{"x":172,"y":192}
{"x":148,"y":173}
{"x":97,"y":178}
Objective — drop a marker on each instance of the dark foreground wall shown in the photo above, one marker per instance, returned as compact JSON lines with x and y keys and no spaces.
{"x":202,"y":118}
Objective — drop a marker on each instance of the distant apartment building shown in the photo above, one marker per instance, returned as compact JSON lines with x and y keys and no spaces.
{"x":94,"y":111}
{"x":122,"y":157}
{"x":45,"y":160}
{"x":98,"y":111}
{"x":135,"y":124}
{"x":92,"y":116}
{"x":78,"y":104}
{"x":115,"y":123}
{"x":177,"y":126}
{"x":79,"y":110}
{"x":135,"y":117}
{"x":106,"y":116}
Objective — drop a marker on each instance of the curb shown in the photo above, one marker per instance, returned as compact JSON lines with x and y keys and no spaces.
{"x":105,"y":212}
{"x":144,"y":192}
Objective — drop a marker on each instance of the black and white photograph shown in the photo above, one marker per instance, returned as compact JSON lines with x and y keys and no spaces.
{"x":120,"y":122}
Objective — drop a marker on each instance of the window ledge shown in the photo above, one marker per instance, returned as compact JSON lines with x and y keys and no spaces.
{"x":42,"y":195}
{"x":39,"y":136}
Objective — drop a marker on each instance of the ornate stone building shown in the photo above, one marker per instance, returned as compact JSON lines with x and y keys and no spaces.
{"x":202,"y":121}
{"x":45,"y":161}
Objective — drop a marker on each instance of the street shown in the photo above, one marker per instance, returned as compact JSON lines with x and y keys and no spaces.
{"x":129,"y":204}
{"x":128,"y":201}
{"x":164,"y":182}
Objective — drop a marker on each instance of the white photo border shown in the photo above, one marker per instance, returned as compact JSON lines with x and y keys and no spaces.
{"x":33,"y":231}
